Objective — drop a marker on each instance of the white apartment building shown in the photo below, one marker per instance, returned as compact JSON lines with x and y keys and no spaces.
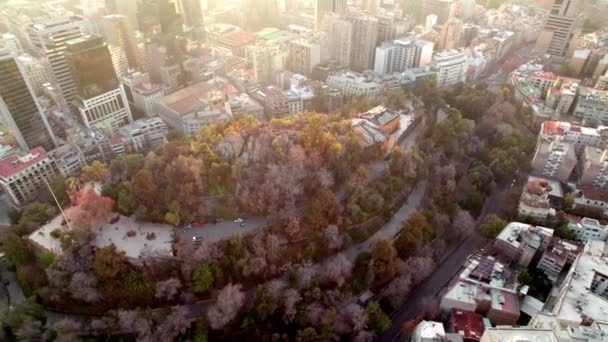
{"x":266,"y":59}
{"x":588,"y":229}
{"x":583,"y":295}
{"x":554,"y":159}
{"x":592,"y":106}
{"x":353,"y":84}
{"x":430,"y":21}
{"x":144,"y":133}
{"x":451,"y":66}
{"x":579,"y":136}
{"x":562,"y":97}
{"x":69,"y":161}
{"x":48,"y":41}
{"x":108,"y":111}
{"x":23,"y":176}
{"x":594,"y":168}
{"x":142,"y":93}
{"x":402,"y":54}
{"x":304,"y":54}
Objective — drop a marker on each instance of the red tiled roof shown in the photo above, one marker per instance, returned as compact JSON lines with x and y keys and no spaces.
{"x":12,"y":165}
{"x":591,"y":193}
{"x":468,"y":324}
{"x":552,"y":128}
{"x":237,"y":38}
{"x":538,"y":187}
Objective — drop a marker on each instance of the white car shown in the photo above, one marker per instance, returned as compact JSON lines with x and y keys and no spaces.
{"x":239,"y":220}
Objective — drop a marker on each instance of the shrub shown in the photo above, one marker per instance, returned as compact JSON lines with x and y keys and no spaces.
{"x":56,"y":233}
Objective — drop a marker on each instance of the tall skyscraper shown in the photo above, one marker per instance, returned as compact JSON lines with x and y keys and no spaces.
{"x":467,"y":8}
{"x":171,"y":22}
{"x":451,"y":34}
{"x":365,"y":38}
{"x":127,"y":8}
{"x":119,"y":35}
{"x":18,"y":106}
{"x":48,"y":41}
{"x":562,"y":26}
{"x":321,"y":7}
{"x":101,"y":101}
{"x":191,"y":11}
{"x":444,"y":9}
{"x":340,"y":32}
{"x":258,"y":14}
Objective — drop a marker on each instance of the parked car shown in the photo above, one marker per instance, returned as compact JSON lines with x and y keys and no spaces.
{"x":239,"y":220}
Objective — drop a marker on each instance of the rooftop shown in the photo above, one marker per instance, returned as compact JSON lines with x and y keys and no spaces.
{"x":17,"y":163}
{"x":576,"y":299}
{"x":520,"y":334}
{"x":467,"y":323}
{"x":237,"y":38}
{"x":515,"y":231}
{"x":592,"y":193}
{"x":380,"y":115}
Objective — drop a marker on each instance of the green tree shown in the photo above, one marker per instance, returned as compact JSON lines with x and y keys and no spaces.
{"x":126,"y":203}
{"x":264,"y":304}
{"x":377,"y":320}
{"x":491,"y":226}
{"x":202,"y":278}
{"x":524,"y":276}
{"x":383,"y":262}
{"x":569,"y":200}
{"x":46,"y":259}
{"x":16,"y":250}
{"x":32,"y":216}
{"x":137,"y":281}
{"x":25,"y":311}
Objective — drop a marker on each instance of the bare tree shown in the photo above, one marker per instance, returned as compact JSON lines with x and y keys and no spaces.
{"x":229,"y":301}
{"x":67,"y":330}
{"x":176,"y":323}
{"x":291,"y":297}
{"x":83,"y":287}
{"x":305,"y":275}
{"x":332,"y":237}
{"x":168,"y":289}
{"x":337,"y":270}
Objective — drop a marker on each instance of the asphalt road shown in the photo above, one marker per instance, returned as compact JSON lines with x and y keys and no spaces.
{"x":447,"y":269}
{"x":392,"y":227}
{"x":225,"y":229}
{"x":432,"y":285}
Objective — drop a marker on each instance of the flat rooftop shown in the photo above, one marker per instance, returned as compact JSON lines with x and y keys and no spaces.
{"x":576,"y":300}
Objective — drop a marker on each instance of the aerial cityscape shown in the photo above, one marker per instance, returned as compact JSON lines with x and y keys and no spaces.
{"x":304,"y":170}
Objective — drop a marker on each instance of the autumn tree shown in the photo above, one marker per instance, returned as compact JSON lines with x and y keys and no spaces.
{"x":264,"y":304}
{"x":108,"y":263}
{"x":90,"y":209}
{"x":337,"y":270}
{"x":95,"y":172}
{"x":168,"y":289}
{"x":383,"y":263}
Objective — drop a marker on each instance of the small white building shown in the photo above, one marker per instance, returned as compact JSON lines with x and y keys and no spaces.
{"x":588,"y":229}
{"x":428,"y":331}
{"x":24,"y":176}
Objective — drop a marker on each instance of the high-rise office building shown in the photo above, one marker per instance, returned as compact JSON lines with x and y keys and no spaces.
{"x":48,"y":41}
{"x":562,"y":26}
{"x":127,"y":8}
{"x":340,"y":32}
{"x":304,"y":55}
{"x":365,"y":39}
{"x":322,"y":7}
{"x":119,"y":35}
{"x":191,"y":11}
{"x":450,"y":36}
{"x":402,"y":54}
{"x":444,"y":9}
{"x":258,"y":14}
{"x":467,"y":8}
{"x":101,"y":101}
{"x":18,"y":106}
{"x":430,"y":21}
{"x":171,"y":23}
